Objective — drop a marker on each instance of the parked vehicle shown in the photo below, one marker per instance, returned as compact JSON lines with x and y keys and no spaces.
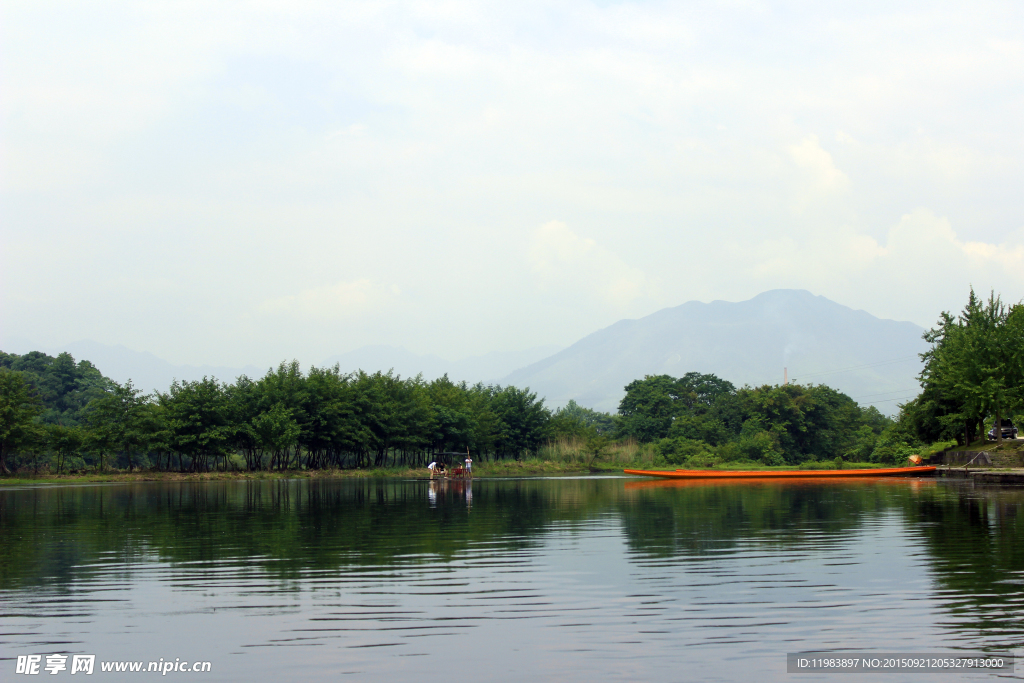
{"x":1009,"y":431}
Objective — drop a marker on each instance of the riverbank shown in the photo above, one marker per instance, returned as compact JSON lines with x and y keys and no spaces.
{"x":1012,"y":476}
{"x":480,"y":470}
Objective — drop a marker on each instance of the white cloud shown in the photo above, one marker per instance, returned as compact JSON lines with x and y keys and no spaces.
{"x":564,"y":260}
{"x":234,"y":154}
{"x":810,"y":157}
{"x":922,"y":267}
{"x":332,"y":302}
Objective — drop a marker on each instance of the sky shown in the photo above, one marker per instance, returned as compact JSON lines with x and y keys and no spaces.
{"x":234,"y":183}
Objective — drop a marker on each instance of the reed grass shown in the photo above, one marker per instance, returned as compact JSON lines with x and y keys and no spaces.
{"x":574,"y":451}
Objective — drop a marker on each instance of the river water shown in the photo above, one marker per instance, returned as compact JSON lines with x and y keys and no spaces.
{"x":568,"y":579}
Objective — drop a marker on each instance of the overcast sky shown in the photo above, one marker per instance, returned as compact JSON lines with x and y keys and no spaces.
{"x":236,"y":183}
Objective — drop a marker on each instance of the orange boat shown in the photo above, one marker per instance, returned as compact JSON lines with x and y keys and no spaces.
{"x":915,"y":483}
{"x":780,"y":474}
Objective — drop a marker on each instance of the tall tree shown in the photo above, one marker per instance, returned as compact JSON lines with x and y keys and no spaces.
{"x":19,"y":407}
{"x":64,"y":442}
{"x":196,"y":415}
{"x":119,"y":416}
{"x":974,"y":368}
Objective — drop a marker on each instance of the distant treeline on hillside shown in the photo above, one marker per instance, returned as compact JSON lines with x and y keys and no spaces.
{"x":60,"y":414}
{"x":67,"y":416}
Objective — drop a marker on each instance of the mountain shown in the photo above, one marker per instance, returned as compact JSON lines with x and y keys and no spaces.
{"x":151,"y":373}
{"x":488,"y":367}
{"x":146,"y":371}
{"x":749,"y":342}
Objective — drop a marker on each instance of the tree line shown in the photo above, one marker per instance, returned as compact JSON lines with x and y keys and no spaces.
{"x":971,"y":379}
{"x":972,"y":374}
{"x":702,"y":420}
{"x":67,"y":416}
{"x":71,"y":417}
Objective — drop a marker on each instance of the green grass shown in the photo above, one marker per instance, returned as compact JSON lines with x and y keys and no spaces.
{"x":982,"y":445}
{"x":488,"y":469}
{"x":756,"y":466}
{"x":119,"y":476}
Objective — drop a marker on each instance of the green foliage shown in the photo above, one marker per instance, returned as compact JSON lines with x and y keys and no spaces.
{"x":761,"y":446}
{"x":708,"y":428}
{"x":973,"y":371}
{"x":576,"y":422}
{"x":863,"y":444}
{"x":771,"y":425}
{"x":117,"y":418}
{"x":596,"y":446}
{"x":284,"y":420}
{"x":652,"y":404}
{"x":681,"y":450}
{"x":328,"y":419}
{"x":19,"y":406}
{"x":62,"y":386}
{"x":196,"y":415}
{"x":895,"y":445}
{"x":64,"y":442}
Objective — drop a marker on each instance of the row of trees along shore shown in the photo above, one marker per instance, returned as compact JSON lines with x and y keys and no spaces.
{"x":60,"y":415}
{"x":973,"y":374}
{"x":63,"y":415}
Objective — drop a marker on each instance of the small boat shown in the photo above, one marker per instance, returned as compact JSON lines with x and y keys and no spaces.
{"x":780,"y":474}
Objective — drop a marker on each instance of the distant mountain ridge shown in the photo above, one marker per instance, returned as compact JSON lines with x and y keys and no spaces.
{"x":748,"y":342}
{"x":151,"y":373}
{"x":487,"y":368}
{"x":146,"y":371}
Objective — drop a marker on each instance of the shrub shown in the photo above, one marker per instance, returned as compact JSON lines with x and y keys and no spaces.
{"x":682,"y":450}
{"x":894,"y":446}
{"x":762,"y":446}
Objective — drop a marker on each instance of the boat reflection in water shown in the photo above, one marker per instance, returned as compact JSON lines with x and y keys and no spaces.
{"x":911,"y":483}
{"x":447,"y":488}
{"x":915,"y":471}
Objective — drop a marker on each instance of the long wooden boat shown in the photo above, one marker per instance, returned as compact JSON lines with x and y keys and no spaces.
{"x":788,"y":482}
{"x":780,"y":474}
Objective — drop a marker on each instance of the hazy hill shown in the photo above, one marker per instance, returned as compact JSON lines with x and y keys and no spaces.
{"x":488,"y":367}
{"x":749,"y":342}
{"x":147,"y":372}
{"x":151,"y":373}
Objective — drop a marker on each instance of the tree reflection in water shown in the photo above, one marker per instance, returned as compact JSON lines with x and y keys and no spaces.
{"x":54,"y":537}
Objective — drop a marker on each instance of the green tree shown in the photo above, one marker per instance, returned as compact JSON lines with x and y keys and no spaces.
{"x":63,"y":386}
{"x":523,"y":420}
{"x":19,"y":407}
{"x":117,"y":418}
{"x":653,"y":404}
{"x":64,"y":442}
{"x":596,"y":446}
{"x":196,"y":414}
{"x":648,"y":408}
{"x":974,"y":369}
{"x":276,"y":431}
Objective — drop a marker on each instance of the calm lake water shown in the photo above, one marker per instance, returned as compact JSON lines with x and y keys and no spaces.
{"x":609,"y":579}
